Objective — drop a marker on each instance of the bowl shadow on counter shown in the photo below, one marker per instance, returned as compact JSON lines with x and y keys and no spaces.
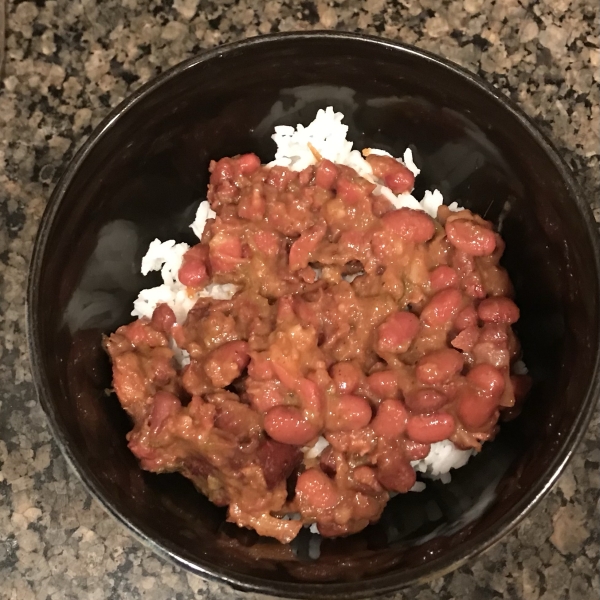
{"x":143,"y":178}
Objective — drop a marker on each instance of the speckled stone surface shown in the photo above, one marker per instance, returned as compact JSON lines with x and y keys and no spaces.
{"x":67,"y":63}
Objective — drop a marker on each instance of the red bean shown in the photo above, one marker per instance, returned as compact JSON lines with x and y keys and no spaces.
{"x":278,"y":461}
{"x":346,"y":376}
{"x":425,"y":401}
{"x":395,"y":175}
{"x":475,"y":410}
{"x":397,"y":332}
{"x":471,"y":237}
{"x":487,"y":378}
{"x":307,"y":243}
{"x":439,"y":366}
{"x":163,"y":318}
{"x":416,"y":450}
{"x":390,"y":420}
{"x":498,"y":310}
{"x":384,"y":384}
{"x":227,"y":362}
{"x":193,"y":271}
{"x":442,"y":308}
{"x":395,"y":473}
{"x":349,"y":413}
{"x":410,"y":225}
{"x":400,"y":180}
{"x":314,"y":490}
{"x":443,"y":277}
{"x":164,"y":404}
{"x":429,"y":429}
{"x":326,"y":174}
{"x":287,"y":425}
{"x":248,"y":163}
{"x":467,"y":317}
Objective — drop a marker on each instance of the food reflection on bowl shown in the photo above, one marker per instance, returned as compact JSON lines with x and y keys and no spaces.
{"x":141,"y":176}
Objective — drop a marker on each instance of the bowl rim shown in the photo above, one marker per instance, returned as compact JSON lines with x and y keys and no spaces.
{"x":389,"y":582}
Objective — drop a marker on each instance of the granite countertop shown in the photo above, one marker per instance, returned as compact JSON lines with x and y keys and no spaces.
{"x":67,"y":63}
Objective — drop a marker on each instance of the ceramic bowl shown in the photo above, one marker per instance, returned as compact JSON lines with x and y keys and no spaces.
{"x":141,"y":175}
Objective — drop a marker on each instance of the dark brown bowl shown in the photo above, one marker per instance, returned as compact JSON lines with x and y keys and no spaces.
{"x":141,"y":175}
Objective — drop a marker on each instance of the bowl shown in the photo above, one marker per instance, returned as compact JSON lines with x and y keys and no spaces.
{"x":141,"y":175}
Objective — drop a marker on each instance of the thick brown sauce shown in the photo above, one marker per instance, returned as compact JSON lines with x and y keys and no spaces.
{"x":416,"y":349}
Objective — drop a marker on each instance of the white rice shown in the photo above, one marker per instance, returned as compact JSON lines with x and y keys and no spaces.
{"x":327,"y":136}
{"x":442,"y":457}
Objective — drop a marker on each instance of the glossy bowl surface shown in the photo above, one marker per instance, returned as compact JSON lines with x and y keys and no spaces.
{"x":141,"y":175}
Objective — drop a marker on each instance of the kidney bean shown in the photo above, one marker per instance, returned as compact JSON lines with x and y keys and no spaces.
{"x":487,"y":378}
{"x":400,"y":180}
{"x":349,"y":413}
{"x":442,"y":277}
{"x":314,"y":490}
{"x":475,"y":410}
{"x":307,"y":243}
{"x":227,"y":362}
{"x":326,"y":174}
{"x":221,"y":170}
{"x":346,"y":376}
{"x":383,"y":384}
{"x":164,"y":404}
{"x":390,"y":420}
{"x":193,"y":271}
{"x":471,"y":237}
{"x":442,"y":308}
{"x":248,"y":163}
{"x":163,"y":318}
{"x":410,"y":225}
{"x":439,"y":366}
{"x":498,"y":310}
{"x":277,"y":461}
{"x":395,"y":473}
{"x":397,"y":332}
{"x":425,"y":401}
{"x":416,"y":450}
{"x":467,"y":317}
{"x":428,"y":429}
{"x":287,"y":425}
{"x":395,"y":175}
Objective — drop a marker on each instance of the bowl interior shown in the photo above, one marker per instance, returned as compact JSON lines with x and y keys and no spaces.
{"x":143,"y":177}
